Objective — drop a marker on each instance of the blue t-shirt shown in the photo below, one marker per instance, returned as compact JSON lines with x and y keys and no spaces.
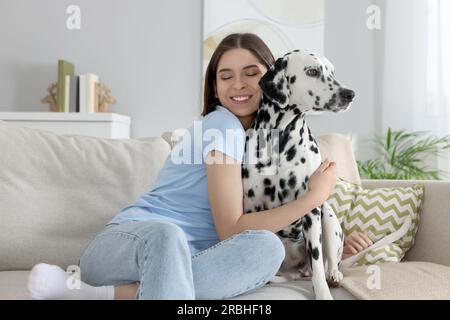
{"x":180,"y":193}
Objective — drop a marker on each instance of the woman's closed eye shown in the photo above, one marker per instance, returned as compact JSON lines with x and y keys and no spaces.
{"x":248,"y":75}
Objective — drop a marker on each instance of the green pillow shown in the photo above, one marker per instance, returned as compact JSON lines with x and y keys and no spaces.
{"x":390,"y":215}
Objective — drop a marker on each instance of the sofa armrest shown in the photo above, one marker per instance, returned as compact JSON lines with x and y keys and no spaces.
{"x":432,"y":241}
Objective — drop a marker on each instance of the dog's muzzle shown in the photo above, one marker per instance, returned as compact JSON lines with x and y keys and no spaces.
{"x":346,"y":95}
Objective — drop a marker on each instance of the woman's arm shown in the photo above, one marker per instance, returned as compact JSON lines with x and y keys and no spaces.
{"x":226,"y":198}
{"x":356,"y":242}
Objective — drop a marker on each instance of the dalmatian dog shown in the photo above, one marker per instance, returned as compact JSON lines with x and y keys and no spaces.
{"x":280,"y":156}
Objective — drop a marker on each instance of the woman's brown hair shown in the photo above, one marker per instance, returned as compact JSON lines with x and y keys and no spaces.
{"x":248,"y":41}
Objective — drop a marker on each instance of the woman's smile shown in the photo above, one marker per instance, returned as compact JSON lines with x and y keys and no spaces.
{"x":241,"y":99}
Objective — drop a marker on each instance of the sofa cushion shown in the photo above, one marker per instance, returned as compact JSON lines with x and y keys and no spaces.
{"x":56,"y":192}
{"x":390,"y":216}
{"x":13,"y":286}
{"x":398,"y":281}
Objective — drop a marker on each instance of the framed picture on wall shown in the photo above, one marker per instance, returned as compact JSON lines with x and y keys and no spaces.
{"x":284,"y":25}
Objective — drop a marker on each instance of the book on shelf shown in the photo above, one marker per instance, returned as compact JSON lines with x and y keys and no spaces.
{"x":87,"y":90}
{"x":65,"y":68}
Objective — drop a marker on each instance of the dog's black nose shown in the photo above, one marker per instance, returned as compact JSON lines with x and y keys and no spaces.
{"x":346,"y":94}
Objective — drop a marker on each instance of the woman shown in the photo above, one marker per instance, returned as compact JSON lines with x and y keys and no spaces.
{"x":187,"y":237}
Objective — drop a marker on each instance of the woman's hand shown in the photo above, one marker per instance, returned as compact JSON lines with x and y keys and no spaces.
{"x":356,"y":242}
{"x":323,"y":181}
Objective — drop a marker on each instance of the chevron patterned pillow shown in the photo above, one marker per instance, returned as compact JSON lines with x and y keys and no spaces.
{"x":390,"y":215}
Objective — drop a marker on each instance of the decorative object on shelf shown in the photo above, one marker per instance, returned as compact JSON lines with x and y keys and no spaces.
{"x":103,"y":97}
{"x":74,"y":93}
{"x":51,"y":98}
{"x":101,"y":103}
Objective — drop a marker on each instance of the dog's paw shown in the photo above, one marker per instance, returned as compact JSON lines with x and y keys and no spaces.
{"x":334,"y":277}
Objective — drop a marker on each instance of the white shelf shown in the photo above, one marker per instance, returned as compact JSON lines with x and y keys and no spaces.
{"x":64,"y":116}
{"x":103,"y":125}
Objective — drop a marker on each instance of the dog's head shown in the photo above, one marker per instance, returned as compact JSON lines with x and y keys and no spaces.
{"x":306,"y":80}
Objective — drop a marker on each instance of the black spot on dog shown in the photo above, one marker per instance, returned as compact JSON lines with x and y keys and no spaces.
{"x":282,"y":234}
{"x":310,"y":93}
{"x":295,"y":233}
{"x":282,"y":183}
{"x":314,"y":149}
{"x":296,"y":194}
{"x":280,"y":197}
{"x":302,"y":130}
{"x":251,"y":193}
{"x":292,"y":182}
{"x":259,"y":165}
{"x":280,"y":84}
{"x":267,"y":182}
{"x":292,"y":79}
{"x":291,"y":153}
{"x":245,"y":173}
{"x":315,"y":211}
{"x":270,"y":191}
{"x":315,"y":253}
{"x":304,"y":186}
{"x":317,"y":98}
{"x":307,"y":222}
{"x":302,"y":160}
{"x":280,"y":116}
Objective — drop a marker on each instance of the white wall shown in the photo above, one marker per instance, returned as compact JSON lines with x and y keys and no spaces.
{"x":148,"y":52}
{"x":349,"y":45}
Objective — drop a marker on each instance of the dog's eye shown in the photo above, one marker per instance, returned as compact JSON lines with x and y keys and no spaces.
{"x":313,"y":73}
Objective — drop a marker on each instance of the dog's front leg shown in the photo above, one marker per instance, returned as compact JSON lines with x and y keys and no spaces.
{"x":312,"y":227}
{"x":333,"y":244}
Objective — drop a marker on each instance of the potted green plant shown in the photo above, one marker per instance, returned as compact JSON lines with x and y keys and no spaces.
{"x":402,"y":155}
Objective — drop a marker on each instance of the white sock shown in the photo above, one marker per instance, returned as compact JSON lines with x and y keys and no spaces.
{"x":48,"y":281}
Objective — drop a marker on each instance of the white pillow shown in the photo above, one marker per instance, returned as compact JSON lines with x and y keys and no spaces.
{"x":56,"y":191}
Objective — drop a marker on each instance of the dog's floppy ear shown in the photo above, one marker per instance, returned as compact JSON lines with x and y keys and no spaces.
{"x":274,"y":83}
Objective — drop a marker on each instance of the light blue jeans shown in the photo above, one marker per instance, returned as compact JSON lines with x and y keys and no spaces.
{"x":156,"y":254}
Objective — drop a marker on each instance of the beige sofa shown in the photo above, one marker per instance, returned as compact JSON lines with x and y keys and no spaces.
{"x":57,"y":191}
